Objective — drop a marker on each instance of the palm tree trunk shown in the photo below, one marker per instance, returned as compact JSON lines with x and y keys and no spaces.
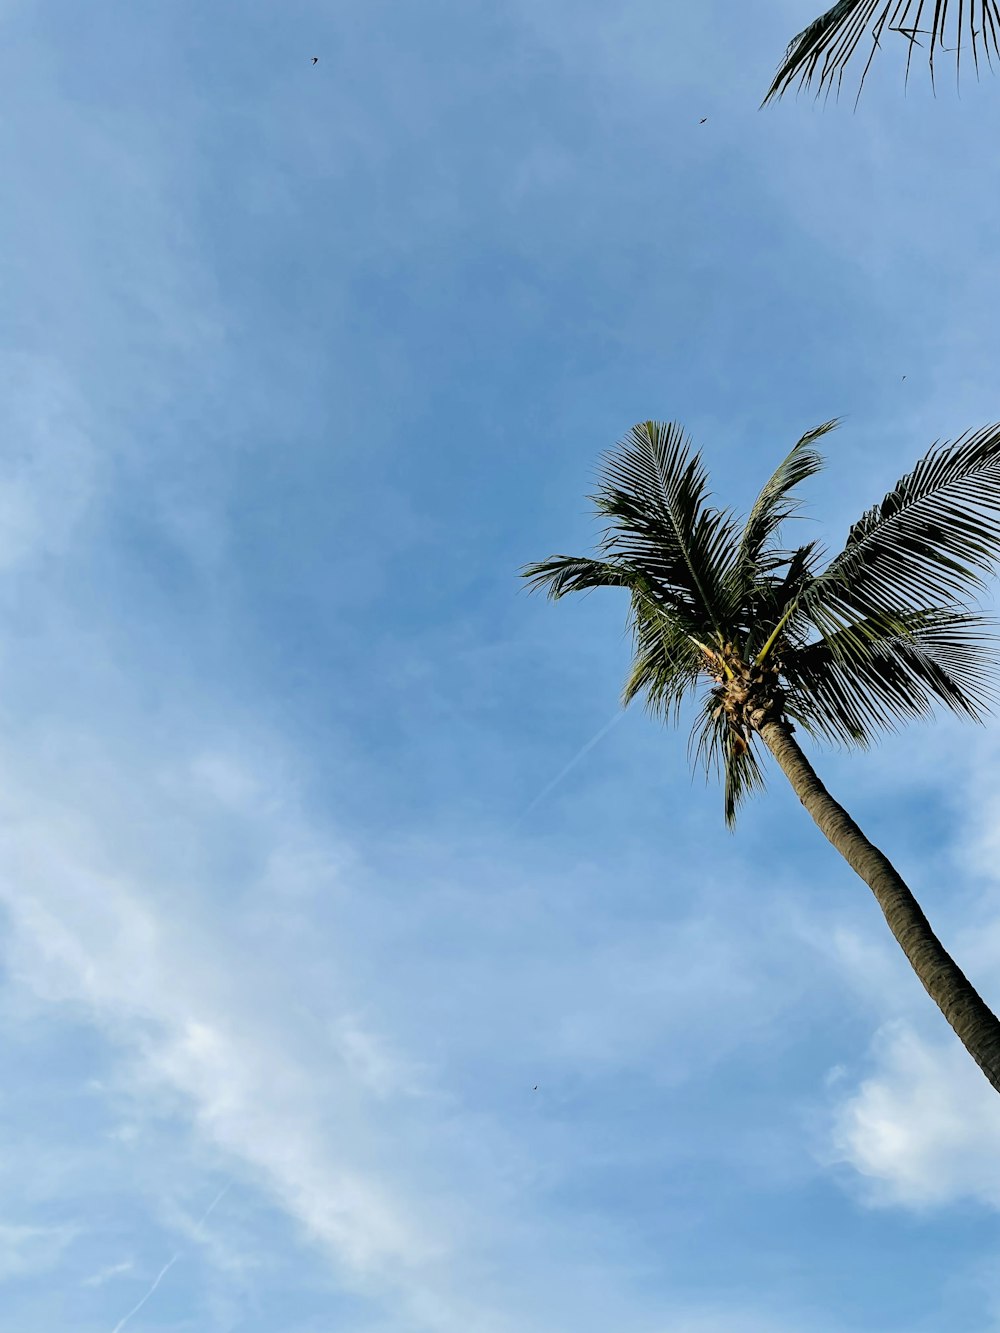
{"x":975,"y":1024}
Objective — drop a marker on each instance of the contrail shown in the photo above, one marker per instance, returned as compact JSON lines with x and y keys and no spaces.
{"x":156,"y":1282}
{"x":170,"y":1262}
{"x":546,"y":791}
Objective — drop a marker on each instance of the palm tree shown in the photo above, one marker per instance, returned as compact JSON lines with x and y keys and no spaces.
{"x":832,"y":37}
{"x":780,"y":640}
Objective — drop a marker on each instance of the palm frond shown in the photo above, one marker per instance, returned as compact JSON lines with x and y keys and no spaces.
{"x":667,"y":658}
{"x":848,"y":688}
{"x":667,"y":662}
{"x":924,"y":546}
{"x":655,"y":493}
{"x":776,"y":503}
{"x":833,"y":37}
{"x":895,"y":638}
{"x":719,"y":749}
{"x":800,"y":571}
{"x":563,"y":574}
{"x":773,"y":599}
{"x":759,"y":591}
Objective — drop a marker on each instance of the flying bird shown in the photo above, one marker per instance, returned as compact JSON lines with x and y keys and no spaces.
{"x":702,"y":121}
{"x":535,"y":1088}
{"x":315,"y":60}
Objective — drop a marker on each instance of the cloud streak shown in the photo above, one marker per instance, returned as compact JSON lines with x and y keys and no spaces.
{"x":83,"y":934}
{"x":172,"y":1260}
{"x":565,"y":772}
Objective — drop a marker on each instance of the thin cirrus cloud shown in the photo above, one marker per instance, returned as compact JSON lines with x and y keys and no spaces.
{"x":109,"y":1273}
{"x":207,"y":1037}
{"x":27,"y":1250}
{"x":81,"y":933}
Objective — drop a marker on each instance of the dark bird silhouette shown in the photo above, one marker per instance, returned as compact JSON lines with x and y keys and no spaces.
{"x":535,"y":1088}
{"x":315,"y":60}
{"x":702,"y":121}
{"x":904,"y":377}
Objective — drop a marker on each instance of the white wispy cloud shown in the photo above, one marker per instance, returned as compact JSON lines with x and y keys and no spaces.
{"x":108,"y":1273}
{"x":924,"y":1130}
{"x":50,"y":468}
{"x":259,"y":1001}
{"x":147,"y":1295}
{"x":921,"y":1128}
{"x":83,"y":934}
{"x":27,"y":1249}
{"x":239,"y":1016}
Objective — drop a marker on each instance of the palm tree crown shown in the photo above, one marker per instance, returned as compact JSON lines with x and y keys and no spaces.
{"x":844,"y":648}
{"x":833,"y":37}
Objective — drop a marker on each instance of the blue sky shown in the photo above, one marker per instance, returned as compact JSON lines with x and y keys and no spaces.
{"x":299,"y":365}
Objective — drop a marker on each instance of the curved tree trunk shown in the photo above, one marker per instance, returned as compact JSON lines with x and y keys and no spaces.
{"x":975,"y":1024}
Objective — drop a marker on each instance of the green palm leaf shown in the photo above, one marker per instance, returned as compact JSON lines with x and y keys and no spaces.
{"x":566,"y":573}
{"x":924,"y":546}
{"x":655,"y":493}
{"x":833,"y":37}
{"x":847,"y":688}
{"x":667,"y":657}
{"x":874,"y":640}
{"x":775,"y":503}
{"x":716,"y":747}
{"x":667,"y":661}
{"x":895,"y":637}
